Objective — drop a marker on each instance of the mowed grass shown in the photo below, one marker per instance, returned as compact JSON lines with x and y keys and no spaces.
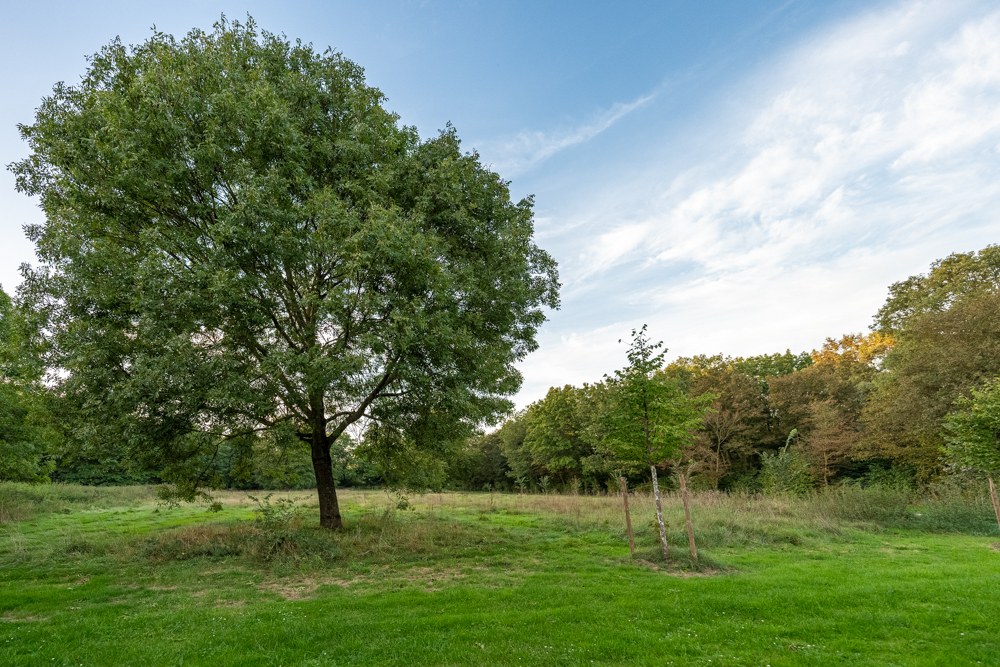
{"x":109,"y":577}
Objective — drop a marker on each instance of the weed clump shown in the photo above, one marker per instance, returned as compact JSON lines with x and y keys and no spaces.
{"x":276,"y":535}
{"x":283,"y":534}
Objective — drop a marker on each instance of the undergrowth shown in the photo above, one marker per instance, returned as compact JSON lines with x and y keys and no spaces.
{"x":284,"y":534}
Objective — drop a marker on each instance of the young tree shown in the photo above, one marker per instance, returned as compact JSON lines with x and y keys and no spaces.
{"x":650,"y":419}
{"x":240,"y":238}
{"x":973,"y":435}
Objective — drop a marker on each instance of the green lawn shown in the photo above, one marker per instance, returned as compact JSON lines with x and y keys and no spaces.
{"x":92,"y":579}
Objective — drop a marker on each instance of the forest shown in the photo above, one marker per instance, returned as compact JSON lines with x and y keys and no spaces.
{"x":884,"y":407}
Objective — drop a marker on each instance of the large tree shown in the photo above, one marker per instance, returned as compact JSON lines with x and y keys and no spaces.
{"x":241,"y":239}
{"x":946,"y":326}
{"x":953,"y":278}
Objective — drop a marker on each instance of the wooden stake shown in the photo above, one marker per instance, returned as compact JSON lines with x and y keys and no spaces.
{"x":687,"y":517}
{"x":628,"y":516}
{"x":993,"y":497}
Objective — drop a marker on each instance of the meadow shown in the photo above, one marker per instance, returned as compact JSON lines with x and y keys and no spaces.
{"x":109,"y":576}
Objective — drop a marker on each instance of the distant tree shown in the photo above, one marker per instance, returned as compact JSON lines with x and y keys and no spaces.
{"x":765,"y":369}
{"x":240,"y":238}
{"x":949,"y":280}
{"x":525,"y":473}
{"x":766,"y":366}
{"x":831,"y":439}
{"x":554,"y":435}
{"x":939,"y":357}
{"x":823,"y":402}
{"x":729,"y":435}
{"x":28,"y":433}
{"x":853,"y":351}
{"x":563,"y":436}
{"x":973,"y":434}
{"x":480,"y":464}
{"x":650,"y":420}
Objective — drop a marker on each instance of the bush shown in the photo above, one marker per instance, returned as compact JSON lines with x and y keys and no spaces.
{"x":786,"y":471}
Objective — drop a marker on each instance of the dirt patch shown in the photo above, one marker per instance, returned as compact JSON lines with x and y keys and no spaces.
{"x":302,"y":589}
{"x":8,"y":617}
{"x":433,"y":579}
{"x":995,"y":546}
{"x":229,"y":604}
{"x":677,"y":572}
{"x":426,"y":578}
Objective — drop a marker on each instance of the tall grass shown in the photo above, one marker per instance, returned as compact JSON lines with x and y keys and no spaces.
{"x":377,"y":530}
{"x":21,"y":501}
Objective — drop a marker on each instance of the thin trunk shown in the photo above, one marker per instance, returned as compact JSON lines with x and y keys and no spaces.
{"x":993,"y":497}
{"x":659,"y":511}
{"x":628,"y":517}
{"x":687,"y":516}
{"x":329,"y":509}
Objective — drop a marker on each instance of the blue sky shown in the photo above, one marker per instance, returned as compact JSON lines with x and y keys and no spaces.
{"x":745,"y":177}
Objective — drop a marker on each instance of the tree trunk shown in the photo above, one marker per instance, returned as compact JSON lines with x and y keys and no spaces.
{"x":659,"y":511}
{"x":993,"y":497}
{"x":718,"y":465}
{"x":687,"y":516}
{"x":628,"y":516}
{"x":329,"y":509}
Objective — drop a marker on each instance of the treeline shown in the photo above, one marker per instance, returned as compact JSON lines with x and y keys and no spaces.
{"x":866,"y":408}
{"x":878,"y":407}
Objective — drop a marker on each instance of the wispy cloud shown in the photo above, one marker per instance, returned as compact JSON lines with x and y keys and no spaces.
{"x":517,"y":154}
{"x":832,"y":158}
{"x":852,"y":161}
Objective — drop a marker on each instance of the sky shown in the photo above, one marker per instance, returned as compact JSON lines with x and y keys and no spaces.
{"x":742,"y":177}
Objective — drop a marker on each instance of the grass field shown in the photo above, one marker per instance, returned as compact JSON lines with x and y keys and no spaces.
{"x":109,"y":577}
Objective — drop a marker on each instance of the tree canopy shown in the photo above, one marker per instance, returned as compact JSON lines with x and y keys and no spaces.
{"x":241,"y":241}
{"x":950,"y":279}
{"x":973,"y":429}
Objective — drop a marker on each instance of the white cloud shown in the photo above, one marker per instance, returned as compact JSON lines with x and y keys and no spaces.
{"x":832,"y":140}
{"x":613,"y":245}
{"x":523,"y":151}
